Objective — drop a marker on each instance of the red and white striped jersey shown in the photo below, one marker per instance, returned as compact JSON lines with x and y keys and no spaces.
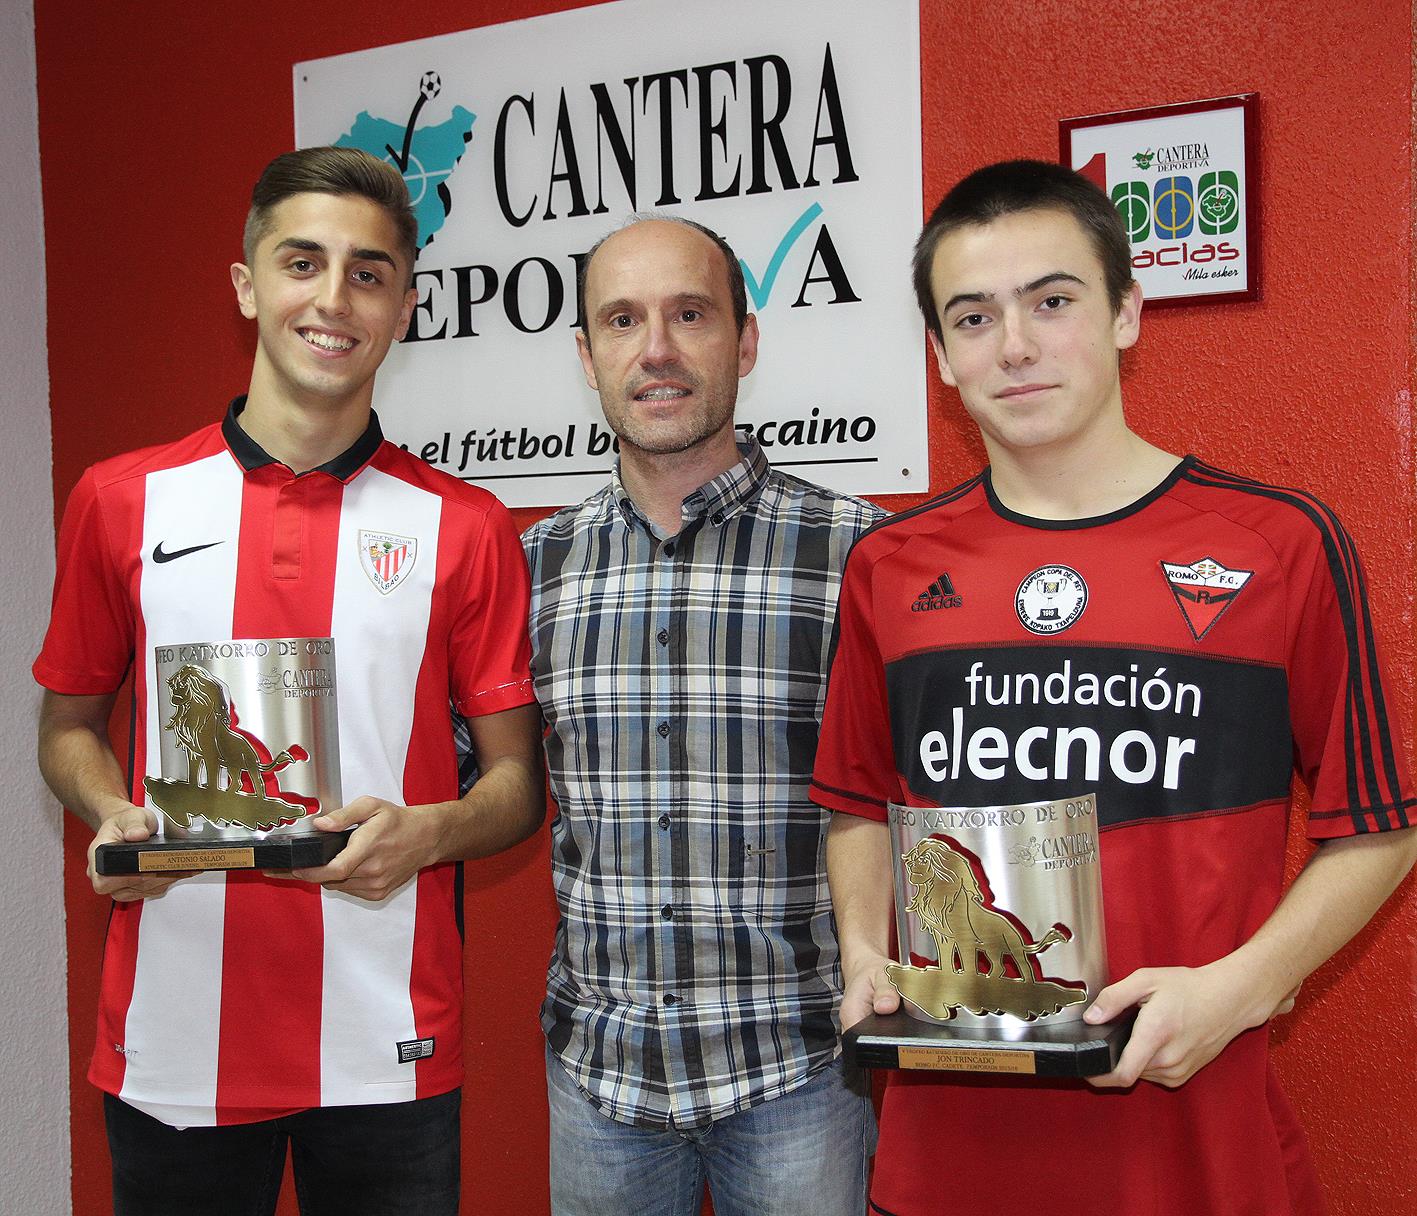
{"x":235,"y":996}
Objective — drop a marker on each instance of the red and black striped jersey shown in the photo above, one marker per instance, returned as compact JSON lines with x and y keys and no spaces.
{"x":236,"y":996}
{"x":1184,"y":658}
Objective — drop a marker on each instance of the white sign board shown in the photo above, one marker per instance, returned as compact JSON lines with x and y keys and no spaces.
{"x":792,"y":129}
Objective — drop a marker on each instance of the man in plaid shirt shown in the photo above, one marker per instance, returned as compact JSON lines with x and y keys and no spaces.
{"x":681,"y":621}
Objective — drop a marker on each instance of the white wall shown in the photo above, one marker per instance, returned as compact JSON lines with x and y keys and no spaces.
{"x":34,"y":1023}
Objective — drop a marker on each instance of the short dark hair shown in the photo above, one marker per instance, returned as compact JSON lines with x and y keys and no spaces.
{"x":737,"y":290}
{"x":331,"y":171}
{"x":1024,"y":185}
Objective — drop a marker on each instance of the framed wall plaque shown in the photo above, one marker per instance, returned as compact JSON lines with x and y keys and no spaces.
{"x":1185,"y":179}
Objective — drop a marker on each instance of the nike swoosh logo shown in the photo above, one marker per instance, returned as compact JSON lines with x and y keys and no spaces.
{"x":160,"y":556}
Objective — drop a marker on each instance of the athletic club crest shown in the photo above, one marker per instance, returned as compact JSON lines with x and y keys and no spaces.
{"x":386,"y":559}
{"x":1203,"y":591}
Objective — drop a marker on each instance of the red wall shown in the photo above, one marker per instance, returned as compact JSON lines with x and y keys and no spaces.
{"x":154,"y":121}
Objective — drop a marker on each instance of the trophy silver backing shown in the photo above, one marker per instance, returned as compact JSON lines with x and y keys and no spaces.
{"x":1037,"y":867}
{"x":281,"y":691}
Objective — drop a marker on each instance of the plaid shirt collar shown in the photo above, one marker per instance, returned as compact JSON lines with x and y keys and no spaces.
{"x":718,"y":500}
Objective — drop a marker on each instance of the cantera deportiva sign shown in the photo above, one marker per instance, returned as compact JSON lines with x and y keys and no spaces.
{"x":791,"y":129}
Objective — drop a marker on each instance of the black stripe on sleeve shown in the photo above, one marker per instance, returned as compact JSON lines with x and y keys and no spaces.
{"x":1366,"y":703}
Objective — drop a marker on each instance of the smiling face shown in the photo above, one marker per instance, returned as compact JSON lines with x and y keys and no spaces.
{"x":1030,"y":338}
{"x":326,"y":287}
{"x":661,"y":346}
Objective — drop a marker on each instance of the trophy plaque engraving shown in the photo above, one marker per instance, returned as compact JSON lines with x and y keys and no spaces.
{"x":249,"y":752}
{"x":1001,"y":940}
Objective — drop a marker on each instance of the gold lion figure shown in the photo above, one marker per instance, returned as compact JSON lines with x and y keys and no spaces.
{"x":950,"y":904}
{"x":201,"y":719}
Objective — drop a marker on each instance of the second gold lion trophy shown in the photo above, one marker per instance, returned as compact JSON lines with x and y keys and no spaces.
{"x":1001,"y":941}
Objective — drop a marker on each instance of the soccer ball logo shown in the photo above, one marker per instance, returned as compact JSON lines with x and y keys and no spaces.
{"x":430,"y":85}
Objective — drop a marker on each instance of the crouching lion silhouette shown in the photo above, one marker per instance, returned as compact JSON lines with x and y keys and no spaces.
{"x":201,"y":719}
{"x":951,"y":906}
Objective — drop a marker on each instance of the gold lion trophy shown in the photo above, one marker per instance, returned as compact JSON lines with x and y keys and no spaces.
{"x":249,"y":749}
{"x":1000,"y":934}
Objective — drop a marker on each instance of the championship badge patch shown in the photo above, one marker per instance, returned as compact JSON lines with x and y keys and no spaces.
{"x":1203,"y":591}
{"x":386,"y":559}
{"x":1050,"y":599}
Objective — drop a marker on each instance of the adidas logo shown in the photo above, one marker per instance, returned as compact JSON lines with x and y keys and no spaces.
{"x":939,"y":594}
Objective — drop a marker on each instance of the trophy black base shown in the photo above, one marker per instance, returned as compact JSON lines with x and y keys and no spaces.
{"x":272,"y":853}
{"x":1068,"y":1049}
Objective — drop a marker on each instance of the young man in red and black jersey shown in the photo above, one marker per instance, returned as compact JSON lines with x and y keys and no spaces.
{"x":239,"y":1012}
{"x":1093,"y":613}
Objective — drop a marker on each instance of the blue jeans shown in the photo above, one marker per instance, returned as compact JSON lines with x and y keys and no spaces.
{"x":393,"y":1159}
{"x":801,"y":1154}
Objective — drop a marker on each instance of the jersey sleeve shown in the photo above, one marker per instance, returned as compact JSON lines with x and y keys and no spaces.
{"x":89,"y":645}
{"x":490,"y":651}
{"x":855,"y":769}
{"x":1347,"y":746}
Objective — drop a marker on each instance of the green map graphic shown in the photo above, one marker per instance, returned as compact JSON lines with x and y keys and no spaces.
{"x":433,"y":154}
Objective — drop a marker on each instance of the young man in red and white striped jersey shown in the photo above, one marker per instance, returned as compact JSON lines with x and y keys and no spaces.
{"x":1093,"y":614}
{"x":242,"y":1011}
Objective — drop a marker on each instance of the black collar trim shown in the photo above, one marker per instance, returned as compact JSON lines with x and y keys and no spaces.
{"x":1073,"y":525}
{"x":252,"y":456}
